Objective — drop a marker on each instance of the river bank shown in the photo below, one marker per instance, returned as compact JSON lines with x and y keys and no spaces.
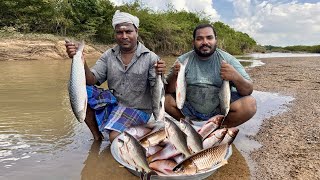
{"x":290,"y":141}
{"x":51,"y":48}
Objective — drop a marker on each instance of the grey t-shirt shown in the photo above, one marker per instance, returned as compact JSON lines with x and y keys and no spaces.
{"x":130,"y":86}
{"x":204,"y":80}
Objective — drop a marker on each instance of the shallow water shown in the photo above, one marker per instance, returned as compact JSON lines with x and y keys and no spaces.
{"x":40,"y":138}
{"x":276,"y":54}
{"x":268,"y":105}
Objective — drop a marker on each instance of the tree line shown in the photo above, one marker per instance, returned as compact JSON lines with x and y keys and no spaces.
{"x":299,"y":48}
{"x":166,"y":32}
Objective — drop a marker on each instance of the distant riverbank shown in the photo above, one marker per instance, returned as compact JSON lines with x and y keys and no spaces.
{"x":41,"y":49}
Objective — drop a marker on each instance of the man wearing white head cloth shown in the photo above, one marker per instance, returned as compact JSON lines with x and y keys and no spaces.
{"x":130,"y":70}
{"x":123,"y":17}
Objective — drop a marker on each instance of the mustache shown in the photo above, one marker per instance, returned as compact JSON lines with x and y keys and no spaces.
{"x":208,"y":46}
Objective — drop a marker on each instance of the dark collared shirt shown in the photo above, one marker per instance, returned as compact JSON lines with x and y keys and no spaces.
{"x":131,"y":86}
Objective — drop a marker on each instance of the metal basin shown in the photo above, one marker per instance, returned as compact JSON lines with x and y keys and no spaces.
{"x":200,"y":175}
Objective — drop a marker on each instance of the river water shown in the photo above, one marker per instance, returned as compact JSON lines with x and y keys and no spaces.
{"x":41,"y":139}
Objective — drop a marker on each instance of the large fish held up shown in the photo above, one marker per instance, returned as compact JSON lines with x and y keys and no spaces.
{"x":181,"y":86}
{"x":224,"y":97}
{"x":158,"y":97}
{"x":77,"y":85}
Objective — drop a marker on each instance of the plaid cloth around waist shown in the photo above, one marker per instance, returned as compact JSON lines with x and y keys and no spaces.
{"x":111,"y":116}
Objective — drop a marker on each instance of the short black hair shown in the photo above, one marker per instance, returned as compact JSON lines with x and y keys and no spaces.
{"x":203,"y":26}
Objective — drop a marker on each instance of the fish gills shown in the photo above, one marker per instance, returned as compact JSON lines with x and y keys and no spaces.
{"x":203,"y":160}
{"x":181,"y":85}
{"x":77,"y":85}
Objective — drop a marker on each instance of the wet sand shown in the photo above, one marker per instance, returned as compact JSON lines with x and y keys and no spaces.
{"x":290,"y":141}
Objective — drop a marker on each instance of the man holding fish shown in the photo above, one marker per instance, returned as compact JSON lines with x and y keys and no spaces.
{"x":199,"y":83}
{"x":130,"y":70}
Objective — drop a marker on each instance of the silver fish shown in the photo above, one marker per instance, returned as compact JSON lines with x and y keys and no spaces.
{"x":138,"y":131}
{"x":123,"y":152}
{"x":194,"y":139}
{"x":137,"y":153}
{"x":230,"y":136}
{"x":178,"y":158}
{"x":176,"y":137}
{"x":181,"y":85}
{"x":167,"y":152}
{"x":153,"y":139}
{"x":224,"y":97}
{"x":77,"y":85}
{"x":211,"y":125}
{"x":202,"y":160}
{"x":158,"y":97}
{"x":215,"y":138}
{"x":163,"y":166}
{"x":151,"y":150}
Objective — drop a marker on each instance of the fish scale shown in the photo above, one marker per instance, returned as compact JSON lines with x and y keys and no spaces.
{"x":224,"y":97}
{"x":136,"y":152}
{"x":202,"y":160}
{"x":181,"y":85}
{"x":77,"y":85}
{"x":158,"y":98}
{"x":176,"y":137}
{"x":194,"y":139}
{"x":153,"y":138}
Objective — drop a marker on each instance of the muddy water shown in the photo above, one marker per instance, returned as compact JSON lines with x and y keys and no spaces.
{"x":41,"y":139}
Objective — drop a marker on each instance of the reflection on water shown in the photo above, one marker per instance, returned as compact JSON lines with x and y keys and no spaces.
{"x":39,"y":136}
{"x":251,"y":63}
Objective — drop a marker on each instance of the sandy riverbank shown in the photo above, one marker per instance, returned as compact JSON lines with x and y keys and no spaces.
{"x":290,"y":141}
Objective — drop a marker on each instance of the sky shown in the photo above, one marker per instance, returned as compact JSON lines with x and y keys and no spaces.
{"x":273,"y":22}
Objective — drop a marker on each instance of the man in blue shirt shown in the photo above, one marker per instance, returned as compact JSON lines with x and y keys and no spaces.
{"x":205,"y":71}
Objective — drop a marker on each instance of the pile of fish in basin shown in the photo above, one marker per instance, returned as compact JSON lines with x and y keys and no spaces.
{"x":174,"y":150}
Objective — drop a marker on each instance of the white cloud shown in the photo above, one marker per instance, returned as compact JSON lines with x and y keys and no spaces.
{"x":203,"y":6}
{"x":275,"y":22}
{"x":281,"y":24}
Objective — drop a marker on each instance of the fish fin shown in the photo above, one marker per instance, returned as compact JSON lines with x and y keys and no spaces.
{"x":222,"y":163}
{"x":148,"y":175}
{"x":142,"y":175}
{"x":164,"y":80}
{"x":168,"y":171}
{"x":150,"y":159}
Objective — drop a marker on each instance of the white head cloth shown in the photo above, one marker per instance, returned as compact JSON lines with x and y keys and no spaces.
{"x":122,"y":17}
